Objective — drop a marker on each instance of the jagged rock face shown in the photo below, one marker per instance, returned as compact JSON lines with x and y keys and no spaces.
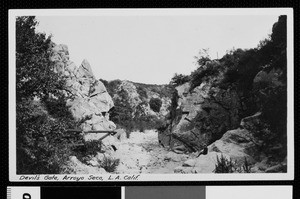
{"x":206,"y":114}
{"x":88,"y":99}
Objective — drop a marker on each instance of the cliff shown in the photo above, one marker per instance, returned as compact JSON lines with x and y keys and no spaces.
{"x":88,"y":99}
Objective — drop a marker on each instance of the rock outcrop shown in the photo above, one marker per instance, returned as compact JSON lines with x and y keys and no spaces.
{"x":238,"y":145}
{"x":88,"y":99}
{"x":203,"y":116}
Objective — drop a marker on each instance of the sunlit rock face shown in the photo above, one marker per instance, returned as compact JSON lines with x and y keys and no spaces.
{"x":88,"y":99}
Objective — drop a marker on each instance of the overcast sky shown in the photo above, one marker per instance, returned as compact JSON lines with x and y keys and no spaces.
{"x":150,"y":49}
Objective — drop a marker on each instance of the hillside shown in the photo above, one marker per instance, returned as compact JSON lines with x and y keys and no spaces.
{"x":138,"y":106}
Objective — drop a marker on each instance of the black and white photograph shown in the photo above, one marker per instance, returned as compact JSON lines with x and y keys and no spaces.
{"x":151,"y":94}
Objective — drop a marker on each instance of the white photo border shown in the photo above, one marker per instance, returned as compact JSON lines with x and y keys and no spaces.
{"x":154,"y":12}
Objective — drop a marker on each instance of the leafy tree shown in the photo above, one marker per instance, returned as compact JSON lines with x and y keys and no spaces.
{"x":34,"y":70}
{"x":179,"y":79}
{"x":174,"y":104}
{"x":40,"y":124}
{"x":123,"y":112}
{"x":155,"y":104}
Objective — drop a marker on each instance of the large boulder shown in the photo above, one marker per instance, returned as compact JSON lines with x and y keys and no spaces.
{"x":237,"y":144}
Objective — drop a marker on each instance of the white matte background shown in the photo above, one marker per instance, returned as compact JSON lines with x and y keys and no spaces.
{"x":249,"y":192}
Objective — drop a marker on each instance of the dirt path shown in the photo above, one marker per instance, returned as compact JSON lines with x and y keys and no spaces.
{"x":141,"y":153}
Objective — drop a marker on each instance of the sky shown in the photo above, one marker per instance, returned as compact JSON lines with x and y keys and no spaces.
{"x":151,"y":49}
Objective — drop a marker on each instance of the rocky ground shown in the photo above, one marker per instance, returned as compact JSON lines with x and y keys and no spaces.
{"x":142,"y":153}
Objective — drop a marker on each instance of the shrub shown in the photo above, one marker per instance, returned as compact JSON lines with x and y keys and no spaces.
{"x":109,"y":164}
{"x":155,"y":104}
{"x":179,"y":79}
{"x":203,"y":57}
{"x":246,"y":167}
{"x":210,"y":69}
{"x":229,"y":166}
{"x":224,"y":165}
{"x":87,"y":150}
{"x":42,"y":146}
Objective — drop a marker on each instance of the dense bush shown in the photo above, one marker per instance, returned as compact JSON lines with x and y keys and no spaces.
{"x":155,"y":104}
{"x":87,"y":150}
{"x":42,"y":143}
{"x":57,"y":107}
{"x":34,"y":70}
{"x":42,"y":146}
